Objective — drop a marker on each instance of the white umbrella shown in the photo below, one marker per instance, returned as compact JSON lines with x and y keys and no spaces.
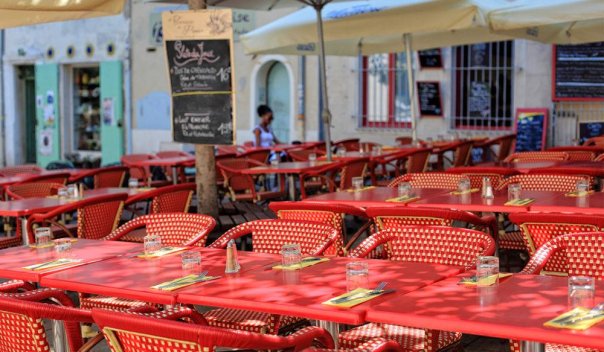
{"x":27,"y":12}
{"x":381,"y":26}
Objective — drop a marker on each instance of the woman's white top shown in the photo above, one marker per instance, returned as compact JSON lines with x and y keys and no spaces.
{"x":266,"y":137}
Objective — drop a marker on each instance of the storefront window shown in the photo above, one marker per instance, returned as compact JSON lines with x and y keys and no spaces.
{"x":86,"y":107}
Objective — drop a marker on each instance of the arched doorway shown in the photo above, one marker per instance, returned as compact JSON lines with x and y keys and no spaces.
{"x":278,"y":97}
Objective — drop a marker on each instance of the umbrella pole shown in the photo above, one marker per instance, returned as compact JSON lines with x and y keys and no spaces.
{"x":411,"y":84}
{"x":325,"y":113}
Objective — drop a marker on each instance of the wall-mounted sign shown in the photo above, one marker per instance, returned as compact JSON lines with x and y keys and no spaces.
{"x":430,"y":58}
{"x":200,"y":56}
{"x":590,"y":129}
{"x":479,"y":99}
{"x":430,"y":102}
{"x":531,"y":129}
{"x":578,"y":72}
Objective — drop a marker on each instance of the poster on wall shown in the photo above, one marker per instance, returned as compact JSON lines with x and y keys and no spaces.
{"x":108,"y":113}
{"x":479,"y":100}
{"x":200,"y":56}
{"x":49,"y":109}
{"x":530,"y":129}
{"x":45,"y":142}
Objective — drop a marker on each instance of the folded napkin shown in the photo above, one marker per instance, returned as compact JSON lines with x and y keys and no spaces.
{"x":49,"y":244}
{"x":458,"y":193}
{"x":362,"y":189}
{"x":402,"y":199}
{"x":310,"y":261}
{"x":145,"y":189}
{"x":578,"y":194}
{"x":577,"y":319}
{"x":183,"y":282}
{"x":487,"y":281}
{"x":520,"y":202}
{"x":355,"y":297}
{"x":162,"y":252}
{"x":52,"y":264}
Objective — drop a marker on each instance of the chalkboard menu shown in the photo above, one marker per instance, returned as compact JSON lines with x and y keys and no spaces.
{"x":430,"y":102}
{"x":588,"y":130}
{"x":579,"y":72}
{"x":430,"y":58}
{"x":531,"y":129}
{"x":479,"y":100}
{"x":199,"y":56}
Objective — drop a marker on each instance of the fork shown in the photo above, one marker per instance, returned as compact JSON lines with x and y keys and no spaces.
{"x":593,"y":313}
{"x":377,"y":290}
{"x":183,"y":280}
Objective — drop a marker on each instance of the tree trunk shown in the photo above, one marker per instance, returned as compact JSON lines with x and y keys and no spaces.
{"x":205,"y":165}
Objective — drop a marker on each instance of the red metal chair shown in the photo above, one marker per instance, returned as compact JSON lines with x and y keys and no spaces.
{"x":335,"y":176}
{"x":21,"y":169}
{"x":374,"y":345}
{"x":172,"y":154}
{"x":134,"y":333}
{"x":55,"y":177}
{"x":599,"y":158}
{"x":32,"y":190}
{"x":175,"y":229}
{"x":545,"y":182}
{"x":537,"y":156}
{"x":417,"y":162}
{"x":109,"y":177}
{"x":581,"y":153}
{"x":504,"y":146}
{"x":427,"y":244}
{"x":434,"y":180}
{"x":302,"y":154}
{"x":257,"y":154}
{"x":143,"y":174}
{"x":16,"y":286}
{"x":461,"y":154}
{"x":399,"y":163}
{"x":403,"y":140}
{"x":243,"y":187}
{"x":268,"y":236}
{"x":97,"y":217}
{"x":332,"y":214}
{"x":593,"y":141}
{"x":476,"y":173}
{"x":351,"y":144}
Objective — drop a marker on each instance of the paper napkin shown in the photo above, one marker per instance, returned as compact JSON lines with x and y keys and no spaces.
{"x":361,"y":190}
{"x":183,"y":282}
{"x":402,"y":199}
{"x":310,"y":261}
{"x":52,"y":264}
{"x":162,"y":252}
{"x":355,"y":297}
{"x":578,"y":194}
{"x":487,"y":281}
{"x":576,"y":319}
{"x":458,"y":193}
{"x":520,"y":202}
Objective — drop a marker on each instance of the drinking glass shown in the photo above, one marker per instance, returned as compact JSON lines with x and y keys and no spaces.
{"x":485,"y":267}
{"x":514,"y":191}
{"x":582,"y":186}
{"x":43,"y":236}
{"x":404,"y":189}
{"x":133,"y":183}
{"x":376,"y":150}
{"x":312,"y":157}
{"x":357,"y":275}
{"x":62,"y":193}
{"x":191,"y":262}
{"x":357,"y":183}
{"x":464,"y":185}
{"x":275,"y":162}
{"x":63,"y":247}
{"x":291,"y":254}
{"x":581,"y":291}
{"x":152,"y":243}
{"x":341,"y":151}
{"x":72,"y":191}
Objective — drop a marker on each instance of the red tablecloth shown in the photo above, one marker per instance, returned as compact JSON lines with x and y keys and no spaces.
{"x":12,"y":260}
{"x":300,"y":293}
{"x":515,"y":309}
{"x":373,"y":197}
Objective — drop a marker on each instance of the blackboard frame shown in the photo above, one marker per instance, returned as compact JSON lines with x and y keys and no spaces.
{"x":439,"y":67}
{"x":542,"y":111}
{"x":419,"y":102}
{"x":583,"y":123}
{"x":555,"y":97}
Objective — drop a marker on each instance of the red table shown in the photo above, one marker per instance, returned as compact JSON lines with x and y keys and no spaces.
{"x":12,"y":260}
{"x":131,"y":277}
{"x":515,"y":309}
{"x":592,"y":204}
{"x":174,"y":163}
{"x":9,"y":180}
{"x":300,"y":293}
{"x":373,"y":197}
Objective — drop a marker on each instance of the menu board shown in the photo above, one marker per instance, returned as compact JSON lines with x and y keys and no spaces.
{"x":588,"y":130}
{"x":479,"y":100}
{"x":430,"y":102}
{"x":431,"y":58}
{"x":579,"y":72}
{"x":531,"y":129}
{"x":200,"y":56}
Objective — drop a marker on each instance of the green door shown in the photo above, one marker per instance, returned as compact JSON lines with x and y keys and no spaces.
{"x":112,"y":112}
{"x":28,"y":82}
{"x":47,"y":114}
{"x":278,"y":98}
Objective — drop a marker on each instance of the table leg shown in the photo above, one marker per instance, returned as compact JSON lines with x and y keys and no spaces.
{"x":174,"y":175}
{"x":24,"y":233}
{"x":292,"y":187}
{"x":332,"y":328}
{"x":531,"y":346}
{"x":58,"y":334}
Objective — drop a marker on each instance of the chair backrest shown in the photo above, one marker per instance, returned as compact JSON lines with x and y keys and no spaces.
{"x":331,"y":214}
{"x":136,"y":172}
{"x":109,"y":177}
{"x":403,"y":140}
{"x":583,"y":254}
{"x":257,"y":154}
{"x":545,"y":182}
{"x":434,"y":180}
{"x":21,"y":169}
{"x":417,"y":161}
{"x":430,"y":244}
{"x":97,"y":216}
{"x":32,"y":190}
{"x":268,"y":236}
{"x":351,"y":144}
{"x":227,"y":149}
{"x":172,"y":199}
{"x":580,"y":155}
{"x":505,"y":144}
{"x":353,"y":168}
{"x":367,"y":147}
{"x":594,"y":141}
{"x":231,"y":171}
{"x":126,"y":332}
{"x":536,"y":156}
{"x":463,"y":151}
{"x":175,"y":229}
{"x":302,"y":154}
{"x":476,"y":173}
{"x":171,"y":154}
{"x":55,"y":177}
{"x":540,"y":228}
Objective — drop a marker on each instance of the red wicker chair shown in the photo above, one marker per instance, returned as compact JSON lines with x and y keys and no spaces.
{"x":591,"y":142}
{"x":537,"y":156}
{"x":374,"y":345}
{"x":55,"y":177}
{"x":435,"y":180}
{"x":175,"y":229}
{"x":268,"y":236}
{"x":504,"y":144}
{"x":599,"y":158}
{"x":427,"y":244}
{"x":134,"y":333}
{"x":540,"y":228}
{"x":545,"y":182}
{"x":14,"y":286}
{"x":258,"y":154}
{"x":97,"y":216}
{"x":477,"y":173}
{"x":579,"y":153}
{"x":109,"y":177}
{"x":351,"y":144}
{"x":332,"y":214}
{"x":243,"y":187}
{"x":21,"y":169}
{"x":32,"y":190}
{"x":172,"y":154}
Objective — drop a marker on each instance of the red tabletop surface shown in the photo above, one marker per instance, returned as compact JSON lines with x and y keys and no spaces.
{"x":372,"y":197}
{"x":591,"y":204}
{"x":295,"y":167}
{"x":12,"y":260}
{"x":475,"y":202}
{"x":300,"y":293}
{"x":174,"y":161}
{"x":131,"y":277}
{"x":515,"y":309}
{"x":9,"y":180}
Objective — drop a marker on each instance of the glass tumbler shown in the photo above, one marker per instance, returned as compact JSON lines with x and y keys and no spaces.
{"x":63,"y":193}
{"x":582,"y":186}
{"x":357,"y":183}
{"x":404,"y":189}
{"x":152,"y":243}
{"x":291,"y":254}
{"x":312,"y":157}
{"x":485,"y":267}
{"x":133,"y":183}
{"x":357,"y":275}
{"x":191,"y":262}
{"x":464,"y":185}
{"x":43,"y":236}
{"x":63,"y":247}
{"x":581,"y":291}
{"x":514,"y":191}
{"x":72,"y":191}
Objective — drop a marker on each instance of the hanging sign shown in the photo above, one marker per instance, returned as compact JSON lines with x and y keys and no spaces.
{"x":199,"y":51}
